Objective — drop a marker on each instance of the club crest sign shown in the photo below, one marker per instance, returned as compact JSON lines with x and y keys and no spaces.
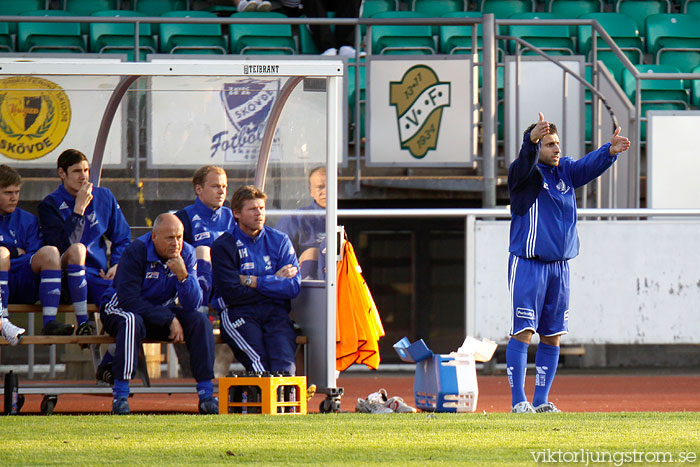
{"x":247,"y":104}
{"x":419,"y":99}
{"x":35,"y":115}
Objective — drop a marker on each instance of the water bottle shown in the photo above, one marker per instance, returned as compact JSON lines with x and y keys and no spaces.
{"x":292,"y":398}
{"x":11,"y":394}
{"x":280,"y":398}
{"x":244,"y":400}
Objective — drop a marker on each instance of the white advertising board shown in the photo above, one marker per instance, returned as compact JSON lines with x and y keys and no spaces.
{"x":540,"y":88}
{"x":672,"y":159}
{"x":635,"y":282}
{"x":421,"y":112}
{"x":41,"y":116}
{"x":221,"y":120}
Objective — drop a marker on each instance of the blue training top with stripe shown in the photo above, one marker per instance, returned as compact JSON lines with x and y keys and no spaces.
{"x":236,"y":253}
{"x":543,"y":201}
{"x":203,"y":225}
{"x":61,"y":227}
{"x":146,"y":286}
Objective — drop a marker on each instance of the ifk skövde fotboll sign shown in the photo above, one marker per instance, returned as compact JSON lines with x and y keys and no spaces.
{"x":222,"y":120}
{"x":420,"y":112}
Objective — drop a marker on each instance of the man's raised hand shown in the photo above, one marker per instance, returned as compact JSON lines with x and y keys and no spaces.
{"x":618,"y":143}
{"x":540,"y":130}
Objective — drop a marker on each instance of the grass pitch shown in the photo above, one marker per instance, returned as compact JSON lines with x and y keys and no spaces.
{"x":341,"y":439}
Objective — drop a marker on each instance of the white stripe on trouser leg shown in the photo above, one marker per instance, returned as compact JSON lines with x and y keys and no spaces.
{"x":241,"y":342}
{"x":129,"y":335}
{"x":511,"y":286}
{"x":50,"y":279}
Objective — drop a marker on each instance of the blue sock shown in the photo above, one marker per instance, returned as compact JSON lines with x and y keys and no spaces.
{"x":204,"y":279}
{"x":205,"y":389}
{"x":107,"y":358}
{"x":50,"y":293}
{"x":121,"y":388}
{"x":516,"y":366}
{"x":546,"y":361}
{"x":4,"y":290}
{"x":77,"y":286}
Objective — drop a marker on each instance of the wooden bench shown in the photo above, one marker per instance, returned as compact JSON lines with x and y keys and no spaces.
{"x":31,"y":339}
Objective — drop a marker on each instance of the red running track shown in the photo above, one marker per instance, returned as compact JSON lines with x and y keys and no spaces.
{"x":571,"y":393}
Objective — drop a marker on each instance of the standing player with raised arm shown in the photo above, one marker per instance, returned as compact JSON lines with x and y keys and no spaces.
{"x":543,"y":239}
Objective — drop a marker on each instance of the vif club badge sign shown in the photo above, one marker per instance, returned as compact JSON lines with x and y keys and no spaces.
{"x":35,"y":115}
{"x":419,"y":99}
{"x":421,"y":113}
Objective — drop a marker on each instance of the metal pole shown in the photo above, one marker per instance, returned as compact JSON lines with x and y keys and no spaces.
{"x":489,"y":110}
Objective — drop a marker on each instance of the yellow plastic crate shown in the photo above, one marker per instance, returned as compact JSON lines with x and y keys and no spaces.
{"x":272,"y":395}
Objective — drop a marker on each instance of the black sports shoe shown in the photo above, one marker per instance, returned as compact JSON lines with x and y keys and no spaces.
{"x":120,"y":406}
{"x":104,"y":374}
{"x":54,"y":328}
{"x":209,"y":406}
{"x":86,"y":328}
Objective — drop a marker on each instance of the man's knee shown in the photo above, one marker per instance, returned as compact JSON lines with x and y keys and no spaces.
{"x":524,"y":336}
{"x":203,"y":252}
{"x":75,"y":254}
{"x":47,"y":257}
{"x":551,"y":340}
{"x":4,"y":259}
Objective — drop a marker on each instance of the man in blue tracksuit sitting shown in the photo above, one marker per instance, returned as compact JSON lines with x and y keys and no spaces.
{"x":543,"y":239}
{"x":255,"y":271}
{"x":155,"y":294}
{"x":307,"y":232}
{"x":76,"y":219}
{"x":206,"y":219}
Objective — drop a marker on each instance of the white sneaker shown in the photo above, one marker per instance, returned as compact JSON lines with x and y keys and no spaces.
{"x":399,"y":406}
{"x":348,"y":51}
{"x":547,"y":407}
{"x":13,"y":334}
{"x":247,"y":5}
{"x":264,"y":5}
{"x":364,"y":406}
{"x":522,"y":407}
{"x":331,"y":51}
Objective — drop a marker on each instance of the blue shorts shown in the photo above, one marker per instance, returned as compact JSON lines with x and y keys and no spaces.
{"x":23,"y":283}
{"x":539,"y":296}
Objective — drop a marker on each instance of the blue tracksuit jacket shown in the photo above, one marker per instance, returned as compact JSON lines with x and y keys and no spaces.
{"x":61,"y":227}
{"x":305,"y":231}
{"x":20,"y":229}
{"x":236,"y":253}
{"x":144,"y":285}
{"x":203,"y":225}
{"x":255,"y":322}
{"x":543,"y":201}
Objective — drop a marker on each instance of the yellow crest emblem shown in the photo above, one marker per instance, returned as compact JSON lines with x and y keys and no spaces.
{"x":419,"y":99}
{"x":35,"y":115}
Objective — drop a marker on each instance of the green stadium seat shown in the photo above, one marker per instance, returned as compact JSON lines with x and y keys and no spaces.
{"x":5,"y":38}
{"x":372,"y":7}
{"x":638,"y":10}
{"x":457,"y":39}
{"x":176,"y":38}
{"x":19,"y":7}
{"x":503,"y":9}
{"x":158,"y":8}
{"x":119,"y":37}
{"x":656,"y":94}
{"x":695,"y":88}
{"x":87,"y":8}
{"x":49,"y":37}
{"x":575,"y":8}
{"x":692,"y":8}
{"x":398,"y":40}
{"x":553,"y":39}
{"x":623,"y":31}
{"x":265,"y":39}
{"x":674,"y":39}
{"x":351,"y":99}
{"x":437,"y":8}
